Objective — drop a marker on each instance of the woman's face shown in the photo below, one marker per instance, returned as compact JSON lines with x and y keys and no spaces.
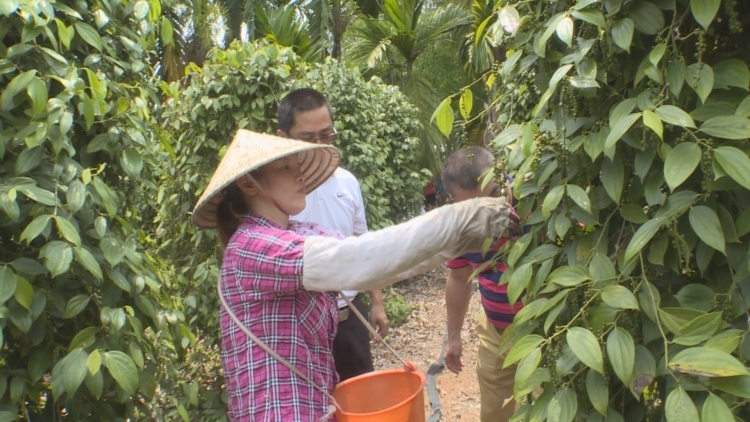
{"x":283,"y":181}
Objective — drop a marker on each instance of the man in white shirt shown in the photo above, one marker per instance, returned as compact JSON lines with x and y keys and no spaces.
{"x":306,"y":115}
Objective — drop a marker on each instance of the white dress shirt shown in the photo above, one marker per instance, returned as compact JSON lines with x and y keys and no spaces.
{"x":337,"y":204}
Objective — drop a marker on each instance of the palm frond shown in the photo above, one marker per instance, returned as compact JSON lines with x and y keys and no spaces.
{"x":377,"y":53}
{"x":475,"y":48}
{"x":283,"y":27}
{"x":397,"y":13}
{"x":319,"y":18}
{"x":234,"y":16}
{"x":439,"y":23}
{"x":369,"y":34}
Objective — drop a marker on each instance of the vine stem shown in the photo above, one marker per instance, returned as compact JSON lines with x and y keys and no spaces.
{"x":658,"y":320}
{"x":606,"y":223}
{"x":572,"y":320}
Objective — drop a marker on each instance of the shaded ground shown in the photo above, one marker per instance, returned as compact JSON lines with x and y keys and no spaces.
{"x":420,"y":340}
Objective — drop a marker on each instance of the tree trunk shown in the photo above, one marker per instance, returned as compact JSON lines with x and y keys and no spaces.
{"x":339,"y":26}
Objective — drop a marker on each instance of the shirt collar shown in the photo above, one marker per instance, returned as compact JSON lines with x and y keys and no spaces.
{"x":257,"y":220}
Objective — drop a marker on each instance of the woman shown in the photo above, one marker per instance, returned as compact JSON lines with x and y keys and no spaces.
{"x":278,"y":283}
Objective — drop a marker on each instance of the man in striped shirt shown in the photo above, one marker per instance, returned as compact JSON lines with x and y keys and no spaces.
{"x":462,"y":177}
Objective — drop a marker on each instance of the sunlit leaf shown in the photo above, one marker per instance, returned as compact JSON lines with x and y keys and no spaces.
{"x":509,"y":19}
{"x":620,"y":128}
{"x":679,"y":407}
{"x":613,"y":178}
{"x":620,"y":297}
{"x":552,"y":200}
{"x":563,"y":406}
{"x":706,"y":362}
{"x":76,"y":305}
{"x":727,"y":127}
{"x":701,"y":79}
{"x":647,"y":17}
{"x":699,"y":329}
{"x":89,"y":34}
{"x":681,"y":163}
{"x":675,"y":116}
{"x":518,"y":282}
{"x":621,"y":353}
{"x":568,"y":276}
{"x":622,"y":33}
{"x":715,"y":409}
{"x":123,"y":370}
{"x":443,"y":116}
{"x":706,"y":224}
{"x":579,"y":196}
{"x":564,"y":30}
{"x":593,"y":17}
{"x":653,"y":122}
{"x":704,"y":11}
{"x":521,"y":348}
{"x":598,"y":391}
{"x":642,"y":236}
{"x":585,"y":346}
{"x":466,"y":103}
{"x":731,"y":72}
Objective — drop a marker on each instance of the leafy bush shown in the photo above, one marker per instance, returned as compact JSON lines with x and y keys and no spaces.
{"x":79,"y":303}
{"x":632,"y":171}
{"x":240,"y":88}
{"x":395,"y":306}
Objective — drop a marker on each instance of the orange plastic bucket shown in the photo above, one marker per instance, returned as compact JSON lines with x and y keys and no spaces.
{"x":394,"y":395}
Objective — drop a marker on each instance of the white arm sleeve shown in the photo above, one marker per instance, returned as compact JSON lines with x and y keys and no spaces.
{"x":377,"y":259}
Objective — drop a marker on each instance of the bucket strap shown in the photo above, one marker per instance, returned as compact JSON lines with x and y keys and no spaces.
{"x":333,"y":406}
{"x":407,"y":365}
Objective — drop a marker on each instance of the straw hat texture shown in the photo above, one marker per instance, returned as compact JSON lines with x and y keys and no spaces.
{"x":249,"y":151}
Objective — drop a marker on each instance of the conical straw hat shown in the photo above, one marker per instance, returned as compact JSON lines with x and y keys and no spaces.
{"x":250,"y":151}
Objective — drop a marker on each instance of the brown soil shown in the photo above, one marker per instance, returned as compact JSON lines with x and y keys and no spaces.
{"x":420,"y":340}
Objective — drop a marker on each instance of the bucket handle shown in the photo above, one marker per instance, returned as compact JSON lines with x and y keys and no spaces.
{"x":408,"y":366}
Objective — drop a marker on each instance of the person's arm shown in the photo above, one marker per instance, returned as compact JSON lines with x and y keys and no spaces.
{"x":378,"y":318}
{"x":457,"y":298}
{"x":383,"y":257}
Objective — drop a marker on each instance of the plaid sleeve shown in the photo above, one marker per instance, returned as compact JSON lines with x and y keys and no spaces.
{"x":268,"y":261}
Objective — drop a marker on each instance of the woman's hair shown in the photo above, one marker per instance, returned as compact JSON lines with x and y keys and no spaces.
{"x":231,"y":208}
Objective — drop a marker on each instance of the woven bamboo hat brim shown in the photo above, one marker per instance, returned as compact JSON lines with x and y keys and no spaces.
{"x":250,"y":151}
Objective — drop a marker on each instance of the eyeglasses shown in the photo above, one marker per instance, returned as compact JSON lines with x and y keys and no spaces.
{"x":321,"y":139}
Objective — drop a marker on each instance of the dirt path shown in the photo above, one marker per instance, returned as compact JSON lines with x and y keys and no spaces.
{"x":420,"y":340}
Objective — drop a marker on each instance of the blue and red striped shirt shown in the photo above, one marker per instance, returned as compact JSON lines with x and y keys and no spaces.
{"x":494,"y":297}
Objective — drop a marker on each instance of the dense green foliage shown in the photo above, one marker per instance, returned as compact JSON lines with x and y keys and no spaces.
{"x":624,"y":122}
{"x":83,"y":329}
{"x":631,"y":166}
{"x":103,"y":314}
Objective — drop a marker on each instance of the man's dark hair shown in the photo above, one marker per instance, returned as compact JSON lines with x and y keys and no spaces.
{"x":465,"y":167}
{"x":300,"y":101}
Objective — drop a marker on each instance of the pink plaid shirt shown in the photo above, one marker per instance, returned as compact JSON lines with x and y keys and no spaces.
{"x":261,"y":277}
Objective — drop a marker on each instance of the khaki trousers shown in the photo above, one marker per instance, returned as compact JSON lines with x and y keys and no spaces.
{"x":495,"y":383}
